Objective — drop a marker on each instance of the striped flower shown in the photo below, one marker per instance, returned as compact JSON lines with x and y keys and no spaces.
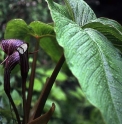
{"x":17,"y":52}
{"x":10,"y":45}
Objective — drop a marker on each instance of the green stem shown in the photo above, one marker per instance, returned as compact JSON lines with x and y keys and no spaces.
{"x":30,"y":90}
{"x":47,"y":88}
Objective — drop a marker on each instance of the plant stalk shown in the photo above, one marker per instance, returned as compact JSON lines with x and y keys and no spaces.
{"x":24,"y":101}
{"x":14,"y":108}
{"x":7,"y":91}
{"x":24,"y":65}
{"x":30,"y":90}
{"x":47,"y":88}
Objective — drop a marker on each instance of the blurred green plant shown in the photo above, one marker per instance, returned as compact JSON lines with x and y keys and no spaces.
{"x":28,"y":10}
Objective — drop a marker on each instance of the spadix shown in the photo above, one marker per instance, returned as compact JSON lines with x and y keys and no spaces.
{"x":22,"y":48}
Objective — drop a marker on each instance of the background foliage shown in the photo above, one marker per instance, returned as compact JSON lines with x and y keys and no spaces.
{"x":71,"y":106}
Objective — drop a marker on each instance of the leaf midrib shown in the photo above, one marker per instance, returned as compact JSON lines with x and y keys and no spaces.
{"x":103,"y":59}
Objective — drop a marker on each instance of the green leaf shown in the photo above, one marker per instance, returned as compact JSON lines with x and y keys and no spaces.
{"x":37,"y":85}
{"x":95,"y":62}
{"x":47,"y":39}
{"x":16,"y":97}
{"x":61,"y":95}
{"x":6,"y":113}
{"x":62,"y":9}
{"x":40,"y":29}
{"x":110,"y":28}
{"x":81,"y":11}
{"x":61,"y":76}
{"x":16,"y":28}
{"x":51,"y":47}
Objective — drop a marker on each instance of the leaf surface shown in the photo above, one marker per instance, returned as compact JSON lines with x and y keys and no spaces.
{"x":108,"y":27}
{"x":16,"y":28}
{"x":47,"y":39}
{"x":80,"y":11}
{"x":94,"y":61}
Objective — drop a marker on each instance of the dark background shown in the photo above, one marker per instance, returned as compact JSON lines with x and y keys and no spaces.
{"x":107,"y":8}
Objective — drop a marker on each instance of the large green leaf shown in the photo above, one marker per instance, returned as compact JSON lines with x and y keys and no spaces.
{"x":94,"y":61}
{"x":110,"y":28}
{"x":80,"y":11}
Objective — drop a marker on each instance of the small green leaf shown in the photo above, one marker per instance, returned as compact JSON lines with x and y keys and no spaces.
{"x":37,"y":85}
{"x":16,"y":28}
{"x":40,"y":29}
{"x":16,"y":97}
{"x":61,"y":76}
{"x":6,"y":113}
{"x":1,"y":89}
{"x":61,"y":95}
